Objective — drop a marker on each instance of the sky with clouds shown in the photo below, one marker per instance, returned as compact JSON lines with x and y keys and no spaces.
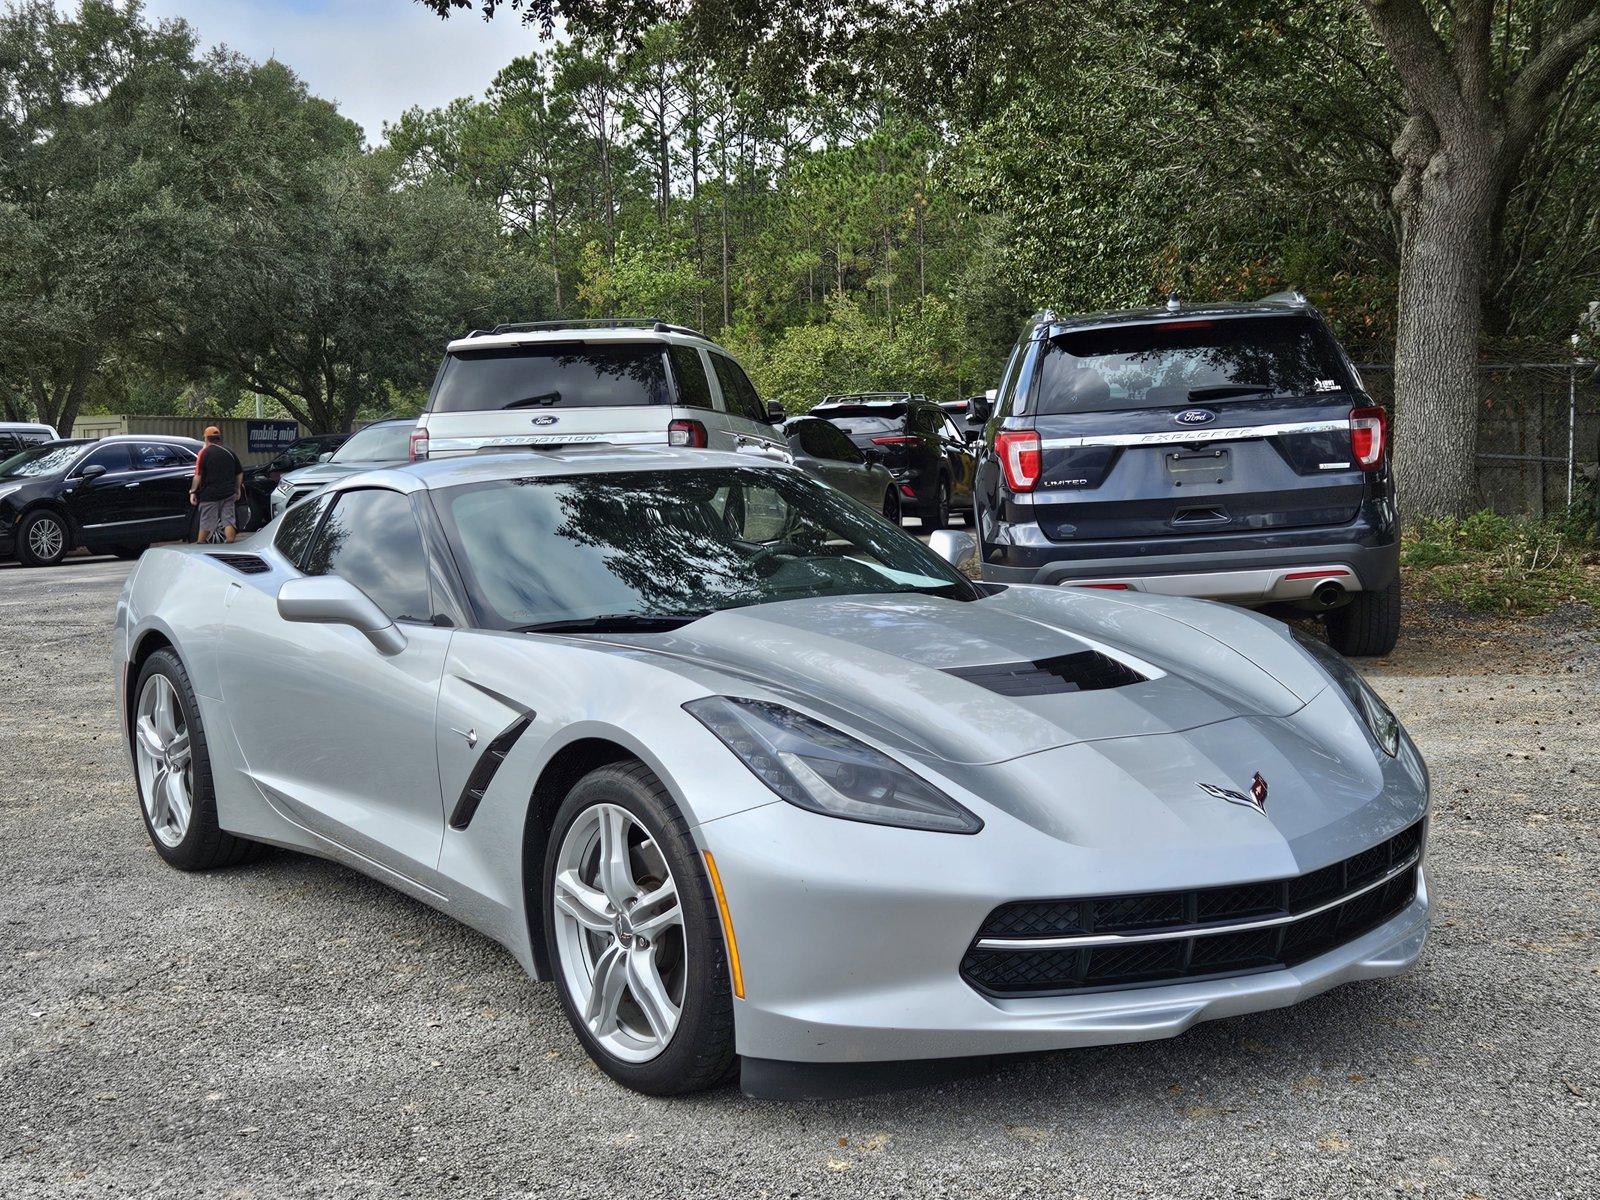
{"x":374,"y":58}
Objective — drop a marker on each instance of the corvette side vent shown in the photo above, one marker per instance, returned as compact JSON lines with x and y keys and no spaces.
{"x":483,"y":773}
{"x":245,"y":564}
{"x":1085,"y":671}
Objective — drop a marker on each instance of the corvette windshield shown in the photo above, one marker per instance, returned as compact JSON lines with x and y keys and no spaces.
{"x":52,"y":458}
{"x":635,"y":547}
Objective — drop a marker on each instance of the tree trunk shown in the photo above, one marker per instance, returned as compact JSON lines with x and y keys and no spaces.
{"x":1445,"y":198}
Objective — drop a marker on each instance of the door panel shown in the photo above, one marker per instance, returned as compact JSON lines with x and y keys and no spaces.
{"x":339,"y":736}
{"x":106,"y":504}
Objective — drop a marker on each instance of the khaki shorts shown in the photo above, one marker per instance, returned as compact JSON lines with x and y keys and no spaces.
{"x":214,"y":513}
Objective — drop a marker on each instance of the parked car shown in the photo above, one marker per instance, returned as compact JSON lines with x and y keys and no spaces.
{"x":620,"y":380}
{"x":260,"y":482}
{"x":380,"y":444}
{"x":641,"y":715}
{"x":918,"y":441}
{"x":19,"y":435}
{"x":821,"y":449}
{"x":1223,"y":450}
{"x":116,"y":495}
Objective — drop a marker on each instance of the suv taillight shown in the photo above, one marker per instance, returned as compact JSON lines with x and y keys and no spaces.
{"x":418,"y":451}
{"x":1369,"y":430}
{"x":691,"y":434}
{"x":1019,"y":457}
{"x":895,"y":439}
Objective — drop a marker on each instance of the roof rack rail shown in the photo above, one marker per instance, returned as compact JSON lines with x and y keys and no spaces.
{"x":654,"y":324}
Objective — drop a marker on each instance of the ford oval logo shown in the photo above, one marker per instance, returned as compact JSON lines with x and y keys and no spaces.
{"x":545,"y":420}
{"x":1195,"y":416}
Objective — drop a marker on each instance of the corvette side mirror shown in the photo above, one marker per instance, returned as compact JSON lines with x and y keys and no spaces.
{"x":330,"y":600}
{"x":956,"y":547}
{"x":325,"y":456}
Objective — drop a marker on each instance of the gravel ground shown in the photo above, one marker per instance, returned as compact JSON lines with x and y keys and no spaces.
{"x":293,"y":1029}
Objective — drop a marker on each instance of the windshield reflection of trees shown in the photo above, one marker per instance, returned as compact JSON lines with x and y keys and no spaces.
{"x":695,"y":541}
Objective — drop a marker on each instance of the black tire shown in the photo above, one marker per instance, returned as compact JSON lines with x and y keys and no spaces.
{"x":205,"y":844}
{"x":937,"y":515}
{"x":892,"y":510}
{"x":124,"y":550}
{"x":700,"y":1053}
{"x":1369,"y":626}
{"x":43,"y":538}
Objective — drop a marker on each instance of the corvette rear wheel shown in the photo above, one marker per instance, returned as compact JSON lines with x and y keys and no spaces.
{"x":635,"y":937}
{"x":173,"y":765}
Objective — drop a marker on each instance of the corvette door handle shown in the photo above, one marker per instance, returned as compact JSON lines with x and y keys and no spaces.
{"x":470,"y":734}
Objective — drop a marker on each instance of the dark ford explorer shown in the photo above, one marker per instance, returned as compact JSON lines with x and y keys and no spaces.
{"x":1226,"y":451}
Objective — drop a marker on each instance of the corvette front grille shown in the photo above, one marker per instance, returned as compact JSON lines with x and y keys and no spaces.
{"x":1051,"y":947}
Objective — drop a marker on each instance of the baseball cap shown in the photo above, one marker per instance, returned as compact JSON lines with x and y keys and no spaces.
{"x":213,"y":432}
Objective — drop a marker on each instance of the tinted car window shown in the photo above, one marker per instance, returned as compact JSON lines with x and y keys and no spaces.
{"x":1188,"y":362}
{"x":925,"y":419}
{"x":821,"y":440}
{"x":377,"y":443}
{"x":148,"y":456}
{"x":297,"y":526}
{"x":738,"y":393}
{"x":49,"y":459}
{"x":673,"y":543}
{"x":863,"y":419}
{"x":694,"y":389}
{"x":112,"y":458}
{"x":552,"y":375}
{"x":371,"y":539}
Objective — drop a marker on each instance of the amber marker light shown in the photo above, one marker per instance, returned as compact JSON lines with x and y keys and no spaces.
{"x":727,"y":926}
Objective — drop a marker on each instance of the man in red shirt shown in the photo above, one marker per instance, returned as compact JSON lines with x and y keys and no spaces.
{"x":217,"y":485}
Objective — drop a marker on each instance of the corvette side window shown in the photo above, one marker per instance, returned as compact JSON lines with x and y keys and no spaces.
{"x":296,"y":528}
{"x":371,"y":539}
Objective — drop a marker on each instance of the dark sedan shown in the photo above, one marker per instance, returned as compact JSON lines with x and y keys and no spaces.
{"x":918,"y":441}
{"x":116,"y":495}
{"x":260,"y":482}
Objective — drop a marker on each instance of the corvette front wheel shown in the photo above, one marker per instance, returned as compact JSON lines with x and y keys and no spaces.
{"x":635,"y":937}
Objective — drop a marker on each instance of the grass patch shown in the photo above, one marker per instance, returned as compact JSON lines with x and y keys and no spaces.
{"x":1489,"y":563}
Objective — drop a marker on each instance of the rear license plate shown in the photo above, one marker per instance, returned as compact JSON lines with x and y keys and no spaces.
{"x":1199,"y":466}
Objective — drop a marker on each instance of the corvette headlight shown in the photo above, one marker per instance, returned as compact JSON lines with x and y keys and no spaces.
{"x":815,"y":767}
{"x":1385,"y":726}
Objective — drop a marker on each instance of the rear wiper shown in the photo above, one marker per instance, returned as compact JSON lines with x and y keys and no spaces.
{"x":612,"y":623}
{"x":1219,"y":390}
{"x":532,"y":401}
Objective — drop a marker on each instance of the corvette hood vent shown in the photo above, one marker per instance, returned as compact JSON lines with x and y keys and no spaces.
{"x":245,"y":564}
{"x":1085,"y":671}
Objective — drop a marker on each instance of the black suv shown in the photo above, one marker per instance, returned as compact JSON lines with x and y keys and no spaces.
{"x":1226,"y":451}
{"x":918,"y":441}
{"x":115,"y":495}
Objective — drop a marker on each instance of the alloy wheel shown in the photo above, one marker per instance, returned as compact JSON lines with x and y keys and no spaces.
{"x":46,"y":538}
{"x":165,"y":760}
{"x":619,"y":932}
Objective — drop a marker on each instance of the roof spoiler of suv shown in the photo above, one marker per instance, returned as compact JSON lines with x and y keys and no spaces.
{"x":873,"y":398}
{"x":1292,"y":296}
{"x":655,"y":324}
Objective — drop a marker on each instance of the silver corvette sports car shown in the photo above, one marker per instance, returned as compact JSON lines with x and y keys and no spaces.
{"x":758,"y":779}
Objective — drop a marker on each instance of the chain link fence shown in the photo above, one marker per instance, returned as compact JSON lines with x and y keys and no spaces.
{"x":1538,"y":433}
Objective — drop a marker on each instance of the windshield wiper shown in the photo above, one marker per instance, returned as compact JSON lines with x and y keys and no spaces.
{"x":535,"y":401}
{"x":1219,"y":390}
{"x":612,"y":623}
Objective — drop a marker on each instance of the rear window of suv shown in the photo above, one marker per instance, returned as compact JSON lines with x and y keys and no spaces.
{"x":1180,"y":362}
{"x":553,"y":375}
{"x":863,"y":418}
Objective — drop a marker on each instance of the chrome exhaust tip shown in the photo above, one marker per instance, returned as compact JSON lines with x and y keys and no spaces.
{"x":1328,"y":593}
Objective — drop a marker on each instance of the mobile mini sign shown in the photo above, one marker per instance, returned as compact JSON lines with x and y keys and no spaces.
{"x":268,"y":437}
